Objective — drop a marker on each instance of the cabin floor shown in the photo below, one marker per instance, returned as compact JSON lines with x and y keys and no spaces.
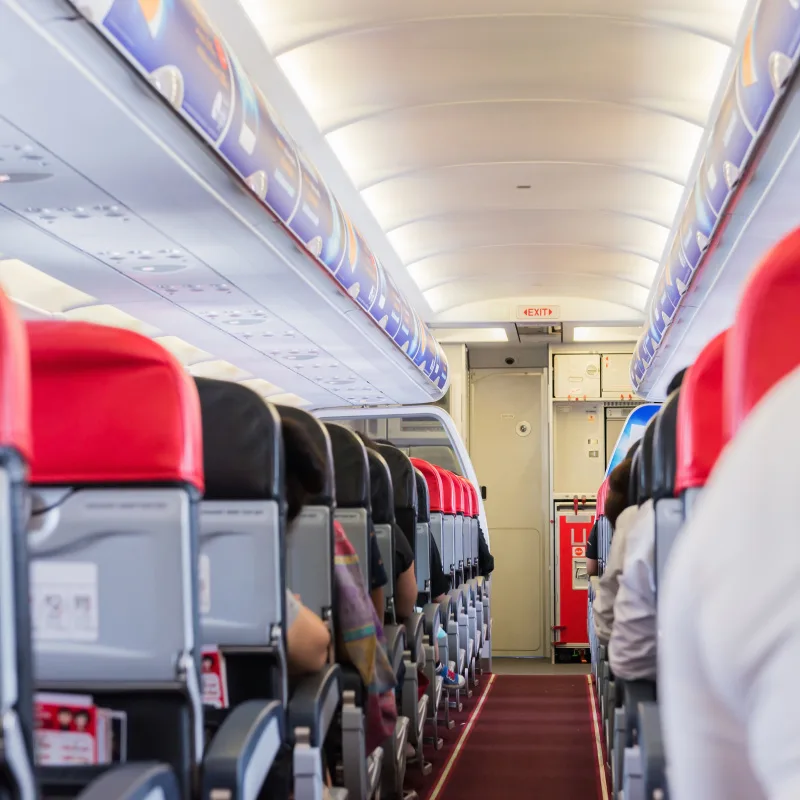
{"x":531,"y":729}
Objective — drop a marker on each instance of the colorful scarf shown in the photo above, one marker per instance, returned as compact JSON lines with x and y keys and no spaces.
{"x":360,"y":642}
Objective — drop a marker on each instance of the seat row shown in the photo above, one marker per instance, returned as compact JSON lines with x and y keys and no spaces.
{"x":145,"y":561}
{"x":678,"y":453}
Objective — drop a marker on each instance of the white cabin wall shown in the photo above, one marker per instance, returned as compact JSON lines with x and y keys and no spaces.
{"x":458,"y":408}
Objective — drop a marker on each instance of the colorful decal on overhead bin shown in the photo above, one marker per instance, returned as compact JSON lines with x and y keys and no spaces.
{"x":260,"y":150}
{"x":632,"y":431}
{"x":182,"y":56}
{"x":318,"y":220}
{"x":387,"y":310}
{"x":173,"y":43}
{"x":768,"y":59}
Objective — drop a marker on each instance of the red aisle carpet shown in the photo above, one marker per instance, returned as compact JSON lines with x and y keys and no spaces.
{"x":534,"y":737}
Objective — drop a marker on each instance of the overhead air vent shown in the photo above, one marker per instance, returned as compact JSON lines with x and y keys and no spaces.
{"x":539,"y":334}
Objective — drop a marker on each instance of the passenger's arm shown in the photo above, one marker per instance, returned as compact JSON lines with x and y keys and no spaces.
{"x":378,"y":601}
{"x":603,"y":607}
{"x":633,"y":645}
{"x":405,"y":596}
{"x":440,"y":583}
{"x":591,"y":566}
{"x":307,"y":638}
{"x":378,"y":577}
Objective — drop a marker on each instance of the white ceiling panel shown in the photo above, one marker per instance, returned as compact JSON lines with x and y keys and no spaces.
{"x":518,"y":148}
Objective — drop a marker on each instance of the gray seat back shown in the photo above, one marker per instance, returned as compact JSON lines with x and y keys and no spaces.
{"x":113,"y":536}
{"x":422,"y":551}
{"x":353,"y":505}
{"x":668,"y":508}
{"x":241,"y":517}
{"x":382,"y":494}
{"x":16,"y":661}
{"x":310,"y":543}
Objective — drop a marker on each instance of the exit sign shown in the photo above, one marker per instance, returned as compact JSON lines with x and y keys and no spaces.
{"x":538,"y":313}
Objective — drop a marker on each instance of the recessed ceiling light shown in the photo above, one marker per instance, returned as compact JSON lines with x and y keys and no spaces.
{"x":606,"y":334}
{"x":24,"y":177}
{"x":159,"y":268}
{"x":239,"y":321}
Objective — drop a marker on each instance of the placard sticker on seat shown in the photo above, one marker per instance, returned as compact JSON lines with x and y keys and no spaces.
{"x":64,"y":601}
{"x":204,"y":583}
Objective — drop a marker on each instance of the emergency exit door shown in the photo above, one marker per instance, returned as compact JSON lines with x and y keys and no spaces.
{"x":572,"y":580}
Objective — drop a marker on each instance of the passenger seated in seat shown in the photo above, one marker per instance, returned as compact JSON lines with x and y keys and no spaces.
{"x":632,"y":649}
{"x":591,"y":552}
{"x":359,"y":634}
{"x":307,"y":636}
{"x":620,"y":512}
{"x":406,"y":580}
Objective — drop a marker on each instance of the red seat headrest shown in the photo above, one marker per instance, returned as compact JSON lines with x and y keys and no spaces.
{"x":476,"y":505}
{"x":15,"y":382}
{"x":110,"y":406}
{"x":460,"y":493}
{"x":434,"y":481}
{"x":467,"y":496}
{"x":602,"y":494}
{"x":449,"y":502}
{"x":763,"y":345}
{"x":700,"y":423}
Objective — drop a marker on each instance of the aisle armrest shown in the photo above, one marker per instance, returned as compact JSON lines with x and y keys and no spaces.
{"x":240,"y":756}
{"x":414,"y":626}
{"x":134,"y":782}
{"x":395,"y":644}
{"x":314,"y":702}
{"x":431,"y":618}
{"x":634,"y":693}
{"x":651,"y":746}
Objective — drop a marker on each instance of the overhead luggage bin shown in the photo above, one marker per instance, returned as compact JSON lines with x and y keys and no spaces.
{"x":282,"y":299}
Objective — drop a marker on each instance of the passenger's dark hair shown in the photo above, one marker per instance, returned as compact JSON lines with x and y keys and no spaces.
{"x":617,"y":498}
{"x":304,"y":465}
{"x":677,"y":380}
{"x":372,"y":444}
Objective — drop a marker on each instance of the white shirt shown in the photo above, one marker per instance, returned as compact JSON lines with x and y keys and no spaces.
{"x":603,"y":606}
{"x":632,"y":647}
{"x":729,"y":611}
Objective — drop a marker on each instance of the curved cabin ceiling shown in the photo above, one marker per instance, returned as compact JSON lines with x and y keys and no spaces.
{"x":514,"y":149}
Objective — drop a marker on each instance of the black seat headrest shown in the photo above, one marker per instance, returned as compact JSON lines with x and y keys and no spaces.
{"x":350,"y":467}
{"x":382,"y":489}
{"x":665,"y":448}
{"x":644,"y":488}
{"x":319,"y":436}
{"x":404,"y":476}
{"x":242,"y":450}
{"x":423,"y":499}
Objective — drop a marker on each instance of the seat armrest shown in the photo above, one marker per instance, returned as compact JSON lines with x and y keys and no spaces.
{"x":414,"y":631}
{"x":396,"y":645}
{"x":314,"y":702}
{"x":134,"y":782}
{"x":240,"y":756}
{"x":447,"y":609}
{"x":636,"y":692}
{"x":651,"y":747}
{"x":431,"y":619}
